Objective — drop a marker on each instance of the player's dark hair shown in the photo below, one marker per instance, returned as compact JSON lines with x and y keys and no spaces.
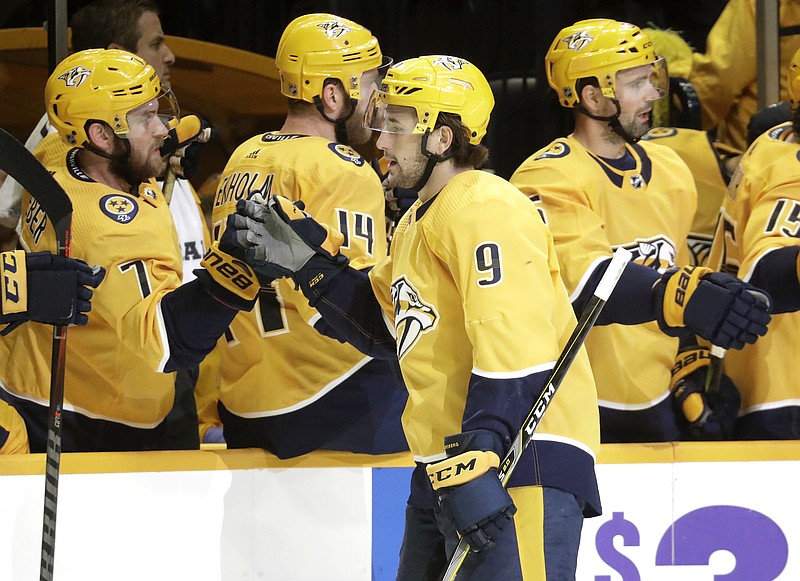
{"x":101,"y":23}
{"x":464,"y":153}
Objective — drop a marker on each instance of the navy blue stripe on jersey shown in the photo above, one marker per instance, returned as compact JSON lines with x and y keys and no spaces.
{"x":630,"y":302}
{"x":80,"y":433}
{"x":362,"y":402}
{"x":350,"y":308}
{"x":781,"y":423}
{"x":615,"y":178}
{"x":646,"y":164}
{"x":559,"y":465}
{"x":501,"y":405}
{"x":194,"y":320}
{"x":776,"y":273}
{"x":3,"y":436}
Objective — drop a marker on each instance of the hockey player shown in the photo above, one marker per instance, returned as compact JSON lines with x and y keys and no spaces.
{"x":601,"y":188}
{"x":118,"y":382}
{"x":757,"y":239}
{"x":453,"y":303}
{"x":284,"y":386}
{"x":135,"y":26}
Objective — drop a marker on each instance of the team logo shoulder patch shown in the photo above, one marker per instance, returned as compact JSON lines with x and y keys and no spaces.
{"x":657,"y":252}
{"x":347,"y":153}
{"x":75,"y":77}
{"x":412,"y":316}
{"x":556,"y":150}
{"x":659,"y":132}
{"x":119,"y":208}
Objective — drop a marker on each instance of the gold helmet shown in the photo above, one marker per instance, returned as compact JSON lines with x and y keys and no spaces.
{"x":595,"y":48}
{"x":316,"y":47}
{"x":793,"y":80}
{"x":98,"y":85}
{"x":431,"y":85}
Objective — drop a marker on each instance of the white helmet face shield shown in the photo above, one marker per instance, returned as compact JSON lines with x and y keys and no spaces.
{"x":385,"y":118}
{"x":649,"y":82}
{"x":165,"y":106}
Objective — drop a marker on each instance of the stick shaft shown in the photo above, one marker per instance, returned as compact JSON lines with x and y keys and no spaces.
{"x":571,"y":350}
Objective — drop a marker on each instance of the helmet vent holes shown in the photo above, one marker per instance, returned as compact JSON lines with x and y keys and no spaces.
{"x":463,"y":83}
{"x":293,"y":58}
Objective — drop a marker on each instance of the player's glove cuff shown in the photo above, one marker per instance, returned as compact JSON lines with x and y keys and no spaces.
{"x":228,"y":279}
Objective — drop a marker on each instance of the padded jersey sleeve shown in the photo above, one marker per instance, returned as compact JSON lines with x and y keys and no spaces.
{"x":498,"y":256}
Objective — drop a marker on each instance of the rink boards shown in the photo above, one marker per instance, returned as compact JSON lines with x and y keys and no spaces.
{"x":688,"y":511}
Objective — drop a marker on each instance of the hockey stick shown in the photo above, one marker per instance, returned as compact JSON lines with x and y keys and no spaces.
{"x":714,"y":375}
{"x":571,"y":349}
{"x":169,"y":184}
{"x":20,"y":164}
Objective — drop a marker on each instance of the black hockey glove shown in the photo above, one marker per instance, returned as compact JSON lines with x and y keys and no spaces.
{"x":184,"y":144}
{"x":285,"y":241}
{"x":698,"y":421}
{"x":470,"y":494}
{"x":716,"y":306}
{"x":46,"y":288}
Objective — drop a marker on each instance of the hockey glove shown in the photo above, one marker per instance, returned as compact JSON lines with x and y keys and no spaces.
{"x":285,"y":240}
{"x":184,"y":144}
{"x":698,"y":421}
{"x":717,"y":306}
{"x":47,"y":288}
{"x":470,"y":493}
{"x":226,"y":276}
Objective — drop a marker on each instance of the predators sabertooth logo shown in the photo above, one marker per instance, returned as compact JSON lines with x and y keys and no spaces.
{"x":75,"y":77}
{"x":657,"y":253}
{"x":450,"y":63}
{"x":412,"y":317}
{"x":334,"y":28}
{"x":577,"y":40}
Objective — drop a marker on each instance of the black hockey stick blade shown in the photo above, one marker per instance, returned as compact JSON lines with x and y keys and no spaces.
{"x":21,"y":165}
{"x":574,"y":343}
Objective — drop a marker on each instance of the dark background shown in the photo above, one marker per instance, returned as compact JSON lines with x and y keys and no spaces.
{"x":505,"y":38}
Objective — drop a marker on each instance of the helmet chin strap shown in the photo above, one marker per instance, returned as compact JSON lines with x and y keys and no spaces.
{"x":433,"y":159}
{"x":340,"y":124}
{"x":612,"y":120}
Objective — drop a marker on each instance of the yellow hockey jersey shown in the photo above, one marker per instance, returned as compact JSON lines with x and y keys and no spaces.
{"x":760,"y":214}
{"x":593,"y":208}
{"x":472,"y":287}
{"x":113,"y":363}
{"x":275,"y":361}
{"x":704,"y":158}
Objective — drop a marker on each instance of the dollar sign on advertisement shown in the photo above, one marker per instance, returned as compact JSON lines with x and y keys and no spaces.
{"x":618,"y":526}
